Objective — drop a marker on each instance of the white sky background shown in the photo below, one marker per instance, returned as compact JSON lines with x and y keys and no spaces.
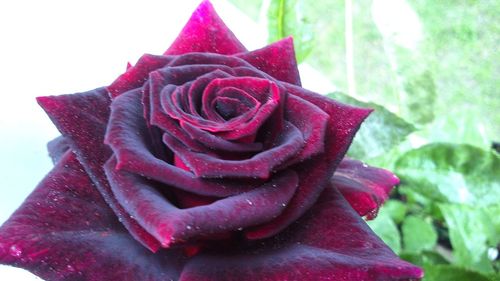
{"x":55,"y":47}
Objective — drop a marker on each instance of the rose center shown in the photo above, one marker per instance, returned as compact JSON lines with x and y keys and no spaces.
{"x":232,"y":102}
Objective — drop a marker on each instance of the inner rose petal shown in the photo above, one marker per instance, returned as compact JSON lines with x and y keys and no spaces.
{"x":216,"y":143}
{"x":261,"y":165}
{"x":245,"y":126}
{"x":228,"y":108}
{"x":134,"y":155}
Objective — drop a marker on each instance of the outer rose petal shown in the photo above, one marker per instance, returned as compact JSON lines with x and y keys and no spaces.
{"x":171,"y":225}
{"x":57,"y":147}
{"x":136,"y":75}
{"x":277,"y":60}
{"x":65,"y":231}
{"x":205,"y":32}
{"x":365,"y":188}
{"x":261,"y":165}
{"x":330,"y":242}
{"x":81,"y":119}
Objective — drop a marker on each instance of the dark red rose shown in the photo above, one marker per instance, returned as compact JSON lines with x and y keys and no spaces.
{"x":208,"y":162}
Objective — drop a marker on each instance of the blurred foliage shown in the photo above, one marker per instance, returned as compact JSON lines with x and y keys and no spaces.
{"x":430,"y":70}
{"x":381,"y":131}
{"x":285,"y":18}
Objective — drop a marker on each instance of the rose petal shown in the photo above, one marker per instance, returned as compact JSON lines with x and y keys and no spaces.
{"x":133,"y":154}
{"x":330,"y":242}
{"x":65,"y":231}
{"x":315,"y":174}
{"x":57,"y":147}
{"x":136,"y":75}
{"x":205,"y":32}
{"x":277,"y":60}
{"x":365,"y":187}
{"x":311,"y":121}
{"x":261,"y":165}
{"x":81,"y":119}
{"x":217,"y":143}
{"x":171,"y":225}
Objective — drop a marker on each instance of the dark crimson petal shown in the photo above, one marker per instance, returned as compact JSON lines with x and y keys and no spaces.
{"x":277,"y":60}
{"x":315,"y":173}
{"x":158,"y":117}
{"x":365,"y":187}
{"x":208,"y":59}
{"x":136,"y":75}
{"x":330,"y":242}
{"x":217,"y":143}
{"x":81,"y":119}
{"x":231,"y":102}
{"x":171,"y":225}
{"x":261,"y":165}
{"x":173,"y":99}
{"x":57,"y":147}
{"x":66,"y":231}
{"x":311,"y":121}
{"x":205,"y":32}
{"x":134,"y":156}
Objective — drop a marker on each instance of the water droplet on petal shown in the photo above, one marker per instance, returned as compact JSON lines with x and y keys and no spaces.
{"x":249,"y":202}
{"x":188,"y":227}
{"x":70,"y":267}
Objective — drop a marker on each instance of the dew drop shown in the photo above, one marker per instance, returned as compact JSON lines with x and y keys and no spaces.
{"x":364,"y":165}
{"x":240,"y":228}
{"x":249,"y":202}
{"x":15,"y":251}
{"x":188,"y":227}
{"x":70,"y":267}
{"x":283,"y":204}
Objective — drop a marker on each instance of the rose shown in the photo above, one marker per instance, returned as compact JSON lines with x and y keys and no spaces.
{"x":217,"y":162}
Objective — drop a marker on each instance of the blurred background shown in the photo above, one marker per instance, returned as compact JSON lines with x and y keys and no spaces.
{"x":430,"y":69}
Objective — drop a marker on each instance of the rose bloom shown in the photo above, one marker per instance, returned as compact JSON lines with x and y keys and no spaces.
{"x":209,"y":162}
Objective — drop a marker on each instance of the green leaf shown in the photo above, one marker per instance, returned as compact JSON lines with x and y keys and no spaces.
{"x":395,"y":209}
{"x":381,"y":131}
{"x":452,"y":273}
{"x":424,"y":257}
{"x":418,"y":97}
{"x":285,"y":18}
{"x":469,"y":230}
{"x":493,"y":218}
{"x":452,"y":173}
{"x":387,"y":230}
{"x":418,"y":235}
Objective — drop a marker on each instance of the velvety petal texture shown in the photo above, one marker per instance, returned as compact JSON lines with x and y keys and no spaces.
{"x":81,"y":118}
{"x":205,"y":32}
{"x":208,"y":162}
{"x":66,"y":231}
{"x":366,"y":188}
{"x":330,"y":242}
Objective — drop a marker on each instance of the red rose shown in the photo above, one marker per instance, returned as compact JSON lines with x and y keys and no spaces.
{"x":218,"y":165}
